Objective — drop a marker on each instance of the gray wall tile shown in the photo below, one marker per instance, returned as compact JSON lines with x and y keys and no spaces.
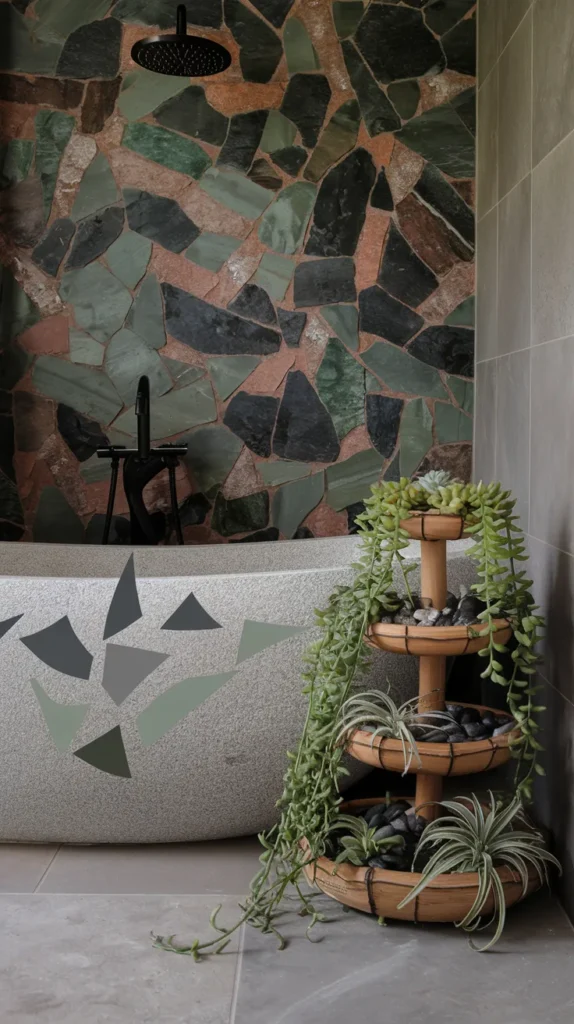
{"x":514,"y":266}
{"x":552,"y":443}
{"x":488,"y":36}
{"x":553,"y":74}
{"x":514,"y":109}
{"x":510,"y":14}
{"x":553,"y":245}
{"x":487,"y":144}
{"x":486,"y":286}
{"x":512,"y":428}
{"x":485,"y":421}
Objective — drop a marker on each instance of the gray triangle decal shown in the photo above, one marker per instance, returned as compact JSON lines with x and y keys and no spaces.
{"x":191,"y":615}
{"x":125,"y":604}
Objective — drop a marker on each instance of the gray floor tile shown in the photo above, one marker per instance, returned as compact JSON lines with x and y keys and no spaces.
{"x":218,"y":867}
{"x":404,"y":973}
{"x":90,"y":959}
{"x":22,"y":867}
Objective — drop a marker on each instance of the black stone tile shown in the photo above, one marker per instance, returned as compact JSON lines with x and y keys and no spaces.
{"x":95,"y":235}
{"x":92,"y":51}
{"x":252,"y":418}
{"x":396,"y":44}
{"x":304,"y":430}
{"x":10,"y":532}
{"x":271,"y":533}
{"x":243,"y":138}
{"x":240,"y":515}
{"x":160,"y":219}
{"x":405,"y":97}
{"x":207,"y":328}
{"x":190,"y":113}
{"x":381,"y":196}
{"x":260,"y":48}
{"x":254,"y":302}
{"x":193,"y":511}
{"x":341,"y":206}
{"x":52,"y":248}
{"x":439,"y":194}
{"x":120,"y":531}
{"x":378,"y":112}
{"x":81,"y":435}
{"x":13,"y":365}
{"x":442,"y":15}
{"x":274,"y":10}
{"x":383,"y":420}
{"x":459,"y":46}
{"x":447,"y":348}
{"x":208,"y":13}
{"x":303,"y":533}
{"x":290,"y":159}
{"x":292,"y":325}
{"x":439,"y":135}
{"x":305,"y":104}
{"x":384,"y":316}
{"x":7,"y":446}
{"x":353,"y":511}
{"x":263,"y":174}
{"x":465,"y":106}
{"x":403,"y":273}
{"x":322,"y":282}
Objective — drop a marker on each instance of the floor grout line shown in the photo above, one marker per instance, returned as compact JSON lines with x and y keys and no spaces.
{"x":41,"y":879}
{"x":237,"y":978}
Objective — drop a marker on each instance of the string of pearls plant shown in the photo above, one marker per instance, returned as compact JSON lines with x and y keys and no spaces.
{"x":310,"y":801}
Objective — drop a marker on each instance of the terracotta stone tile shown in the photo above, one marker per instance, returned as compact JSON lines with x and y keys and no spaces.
{"x":316,"y":16}
{"x":64,"y":468}
{"x":243,"y":479}
{"x":323,"y":521}
{"x":455,"y":458}
{"x":77,"y":155}
{"x":131,"y":35}
{"x":466,"y":189}
{"x":38,"y":478}
{"x":209,"y":215}
{"x":243,"y":96}
{"x":110,"y":137}
{"x":24,"y":463}
{"x":33,"y":421}
{"x":403,"y":171}
{"x":239,"y":268}
{"x":177,"y":350}
{"x":268,"y":376}
{"x":17,"y":121}
{"x":182,"y":273}
{"x":47,"y":337}
{"x":50,"y":92}
{"x":455,"y":287}
{"x":134,"y":171}
{"x":442,"y":88}
{"x":99,"y":104}
{"x":381,"y":146}
{"x":428,"y":235}
{"x":370,"y":247}
{"x":357,"y":440}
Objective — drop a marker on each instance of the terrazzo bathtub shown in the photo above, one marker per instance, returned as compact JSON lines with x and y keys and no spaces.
{"x":149,"y":695}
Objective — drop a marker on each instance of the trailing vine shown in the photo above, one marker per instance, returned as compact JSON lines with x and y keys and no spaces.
{"x":310,"y":801}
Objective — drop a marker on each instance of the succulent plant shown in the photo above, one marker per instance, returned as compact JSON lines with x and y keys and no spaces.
{"x":434,"y":479}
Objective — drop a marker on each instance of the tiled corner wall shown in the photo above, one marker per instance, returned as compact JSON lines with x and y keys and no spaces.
{"x":525,"y":335}
{"x":286,"y":250}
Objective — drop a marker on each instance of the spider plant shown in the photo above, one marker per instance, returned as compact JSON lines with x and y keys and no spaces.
{"x":471,"y":838}
{"x":359,"y":843}
{"x":391,"y":721}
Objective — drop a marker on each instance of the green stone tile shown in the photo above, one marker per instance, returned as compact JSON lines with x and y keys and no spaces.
{"x":100,"y":301}
{"x":85,"y":349}
{"x":212,"y":453}
{"x":344,"y":321}
{"x":283,"y":225}
{"x":464,"y":314}
{"x":20,"y":50}
{"x":15,"y":161}
{"x":94,"y":470}
{"x":142,"y":91}
{"x":97,"y":189}
{"x":53,"y":131}
{"x":228,"y":372}
{"x":55,"y":522}
{"x":299,"y":50}
{"x":57,"y":19}
{"x":146,"y":314}
{"x":393,"y":470}
{"x":372,"y":383}
{"x":340,"y":383}
{"x":62,"y":720}
{"x":274,"y":273}
{"x":212,"y":251}
{"x":166,"y":148}
{"x":240,"y":515}
{"x":440,"y":137}
{"x":403,"y":373}
{"x":351,"y":481}
{"x":275,"y":473}
{"x":339,"y":137}
{"x":128,"y":257}
{"x":17,"y":311}
{"x":237,"y":192}
{"x":182,"y":373}
{"x":415,"y":435}
{"x":293,"y":502}
{"x":177,"y":411}
{"x":279,"y":132}
{"x":347,"y":15}
{"x":451,"y":424}
{"x":463,"y":391}
{"x":127,"y":359}
{"x":85,"y":390}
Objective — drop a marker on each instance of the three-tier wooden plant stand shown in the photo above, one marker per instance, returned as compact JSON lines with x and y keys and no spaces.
{"x":376,"y":890}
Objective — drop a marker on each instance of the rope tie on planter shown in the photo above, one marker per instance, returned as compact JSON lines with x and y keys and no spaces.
{"x":369,"y":883}
{"x":493,"y":750}
{"x":451,"y":759}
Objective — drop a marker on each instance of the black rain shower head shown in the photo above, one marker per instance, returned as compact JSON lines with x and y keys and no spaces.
{"x":180,"y":54}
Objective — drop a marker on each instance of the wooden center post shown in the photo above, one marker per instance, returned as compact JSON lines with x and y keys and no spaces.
{"x":432,"y":668}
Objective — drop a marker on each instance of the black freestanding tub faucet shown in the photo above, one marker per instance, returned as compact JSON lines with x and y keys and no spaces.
{"x":141,"y":464}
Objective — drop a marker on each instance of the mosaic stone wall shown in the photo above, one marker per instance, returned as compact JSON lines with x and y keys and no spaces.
{"x":285,"y":250}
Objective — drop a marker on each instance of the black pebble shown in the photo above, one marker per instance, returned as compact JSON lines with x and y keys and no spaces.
{"x":455,"y":710}
{"x":476,"y":730}
{"x":469,"y":715}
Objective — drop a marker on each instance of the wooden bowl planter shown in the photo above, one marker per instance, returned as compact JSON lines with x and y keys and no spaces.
{"x":448,"y":898}
{"x":435,"y":641}
{"x":433,"y":526}
{"x":434,"y":758}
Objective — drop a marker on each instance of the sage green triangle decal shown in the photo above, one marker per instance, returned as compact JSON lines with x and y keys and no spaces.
{"x":257,"y":636}
{"x":63,"y":720}
{"x":170,"y":707}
